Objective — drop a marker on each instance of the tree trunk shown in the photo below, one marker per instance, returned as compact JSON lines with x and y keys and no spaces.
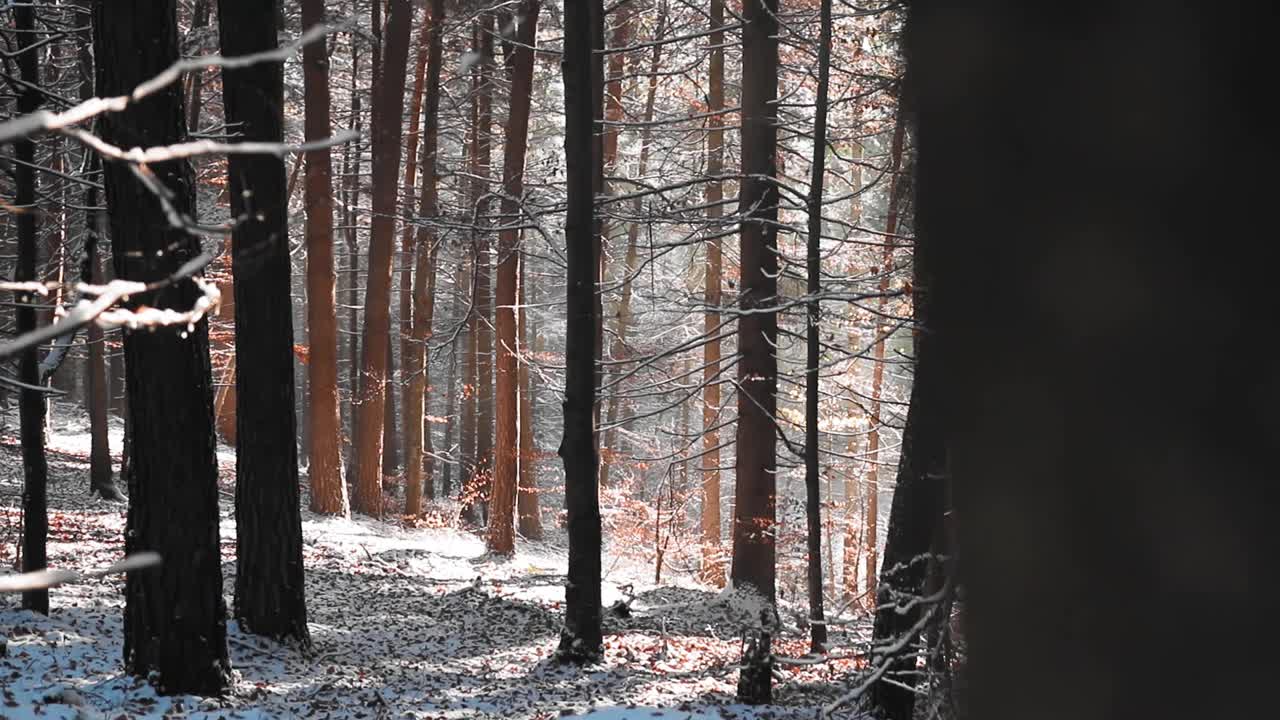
{"x":451,"y":398}
{"x":877,"y":371}
{"x":581,"y":639}
{"x":172,"y":471}
{"x":408,"y":259}
{"x":100,"y":473}
{"x":501,"y":539}
{"x":417,"y":433}
{"x":712,"y":554}
{"x":483,"y":318}
{"x":915,"y":522}
{"x":755,"y":491}
{"x":31,"y":401}
{"x":388,"y":110}
{"x":270,"y":595}
{"x":755,"y":495}
{"x":350,"y":202}
{"x":813,"y":492}
{"x":199,"y":20}
{"x":328,"y":488}
{"x":528,"y":513}
{"x":852,"y":555}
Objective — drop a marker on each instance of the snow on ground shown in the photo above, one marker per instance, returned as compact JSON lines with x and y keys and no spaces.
{"x":405,"y":622}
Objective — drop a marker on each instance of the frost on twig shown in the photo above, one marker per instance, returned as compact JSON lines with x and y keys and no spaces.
{"x":47,"y":578}
{"x":101,"y":309}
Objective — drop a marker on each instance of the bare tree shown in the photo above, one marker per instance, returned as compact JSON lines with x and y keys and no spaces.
{"x":172,"y":472}
{"x":581,"y":639}
{"x":501,"y":537}
{"x":388,"y":109}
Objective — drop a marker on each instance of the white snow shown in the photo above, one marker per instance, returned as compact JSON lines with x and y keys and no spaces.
{"x":405,"y":622}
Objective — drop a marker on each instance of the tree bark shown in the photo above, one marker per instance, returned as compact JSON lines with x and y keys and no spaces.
{"x":270,"y":595}
{"x":813,"y":354}
{"x":528,"y":512}
{"x":712,"y":553}
{"x":581,"y":640}
{"x":417,"y":432}
{"x":754,"y":521}
{"x":501,"y":539}
{"x":755,"y":490}
{"x":877,"y":371}
{"x":483,"y":319}
{"x":328,"y":488}
{"x":388,"y":110}
{"x":100,"y":471}
{"x":172,"y":470}
{"x":31,"y":401}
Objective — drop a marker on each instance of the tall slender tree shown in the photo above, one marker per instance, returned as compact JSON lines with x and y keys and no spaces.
{"x":581,"y":639}
{"x":813,"y":347}
{"x":528,"y":512}
{"x":483,"y":296}
{"x":417,"y":432}
{"x":519,"y":59}
{"x":328,"y":488}
{"x":172,"y":470}
{"x":755,"y":492}
{"x":388,"y":109}
{"x":270,"y":597}
{"x":712,"y":565}
{"x":31,"y":400}
{"x":878,"y":355}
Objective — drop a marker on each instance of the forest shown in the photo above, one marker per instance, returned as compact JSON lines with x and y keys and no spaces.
{"x":632,"y":359}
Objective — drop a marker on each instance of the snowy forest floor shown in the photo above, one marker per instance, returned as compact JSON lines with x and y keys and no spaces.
{"x":405,"y":622}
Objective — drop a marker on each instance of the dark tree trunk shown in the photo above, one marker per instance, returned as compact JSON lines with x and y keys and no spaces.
{"x":1109,"y":411}
{"x":100,"y":480}
{"x":328,"y":489}
{"x":813,"y":492}
{"x":175,"y":618}
{"x":581,"y":639}
{"x":31,"y":401}
{"x":270,"y":597}
{"x":199,"y":20}
{"x":388,"y":110}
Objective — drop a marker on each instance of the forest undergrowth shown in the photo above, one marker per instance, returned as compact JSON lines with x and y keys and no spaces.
{"x":406,"y":621}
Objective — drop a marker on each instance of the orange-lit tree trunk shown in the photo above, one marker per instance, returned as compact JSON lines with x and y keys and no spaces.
{"x":754,"y":550}
{"x":877,"y":371}
{"x":712,"y":562}
{"x":408,"y":253}
{"x":417,"y":434}
{"x":501,"y":538}
{"x":388,"y":109}
{"x":328,"y":489}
